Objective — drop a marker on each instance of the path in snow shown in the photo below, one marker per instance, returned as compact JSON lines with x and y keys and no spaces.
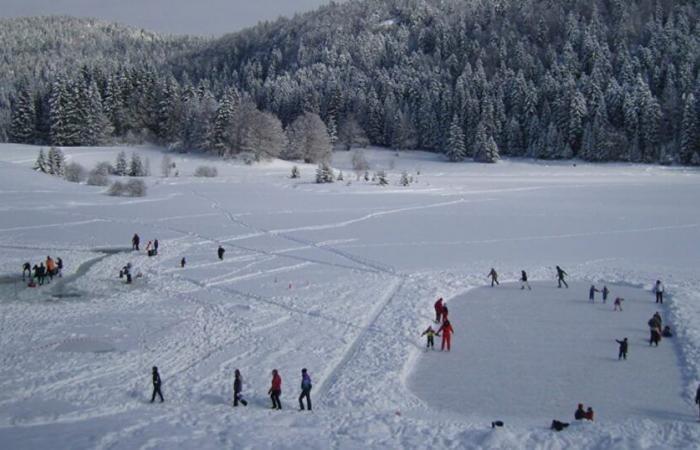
{"x":531,"y":356}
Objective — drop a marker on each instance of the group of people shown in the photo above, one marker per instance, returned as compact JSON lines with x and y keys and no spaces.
{"x":274,"y":392}
{"x":441,"y":313}
{"x":657,"y":330}
{"x":523,"y":279}
{"x":38,"y":273}
{"x":151,"y":246}
{"x":582,"y":414}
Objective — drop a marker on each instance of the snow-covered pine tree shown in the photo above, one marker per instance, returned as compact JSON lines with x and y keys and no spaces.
{"x":485,"y":147}
{"x":166,"y":166}
{"x":136,"y":168}
{"x":23,"y":118}
{"x":308,"y":139}
{"x":324,"y":173}
{"x":340,"y":176}
{"x":381,"y":178}
{"x":41,"y":165}
{"x":454,"y":148}
{"x":56,"y":162}
{"x":405,"y":181}
{"x":689,"y":130}
{"x":121,"y":165}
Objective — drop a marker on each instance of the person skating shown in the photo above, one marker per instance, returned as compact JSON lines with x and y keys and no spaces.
{"x":149,"y":248}
{"x":275,"y":390}
{"x":697,"y":399}
{"x":560,"y":277}
{"x":623,"y":349}
{"x":155,"y":246}
{"x":26,"y":269}
{"x":445,"y":312}
{"x":438,"y":310}
{"x":36,"y":274}
{"x":618,"y":304}
{"x":580,"y":413}
{"x":589,"y":414}
{"x":523,"y":280}
{"x":658,"y":320}
{"x":238,"y":389}
{"x":135,"y":241}
{"x":305,"y":390}
{"x":50,"y":267}
{"x":494,"y":277}
{"x":429,"y":333}
{"x":446,"y":330}
{"x":659,"y":291}
{"x":655,"y":336}
{"x":605,"y":293}
{"x":156,"y":385}
{"x":42,"y":273}
{"x":183,"y":262}
{"x":591,"y":293}
{"x":59,"y":266}
{"x":220,"y":251}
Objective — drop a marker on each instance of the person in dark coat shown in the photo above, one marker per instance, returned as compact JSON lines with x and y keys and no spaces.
{"x":623,"y":349}
{"x":42,"y":273}
{"x":220,"y":251}
{"x":59,"y":266}
{"x":36,"y":274}
{"x":156,"y":385}
{"x":183,"y":262}
{"x":26,"y":268}
{"x":523,"y":280}
{"x":275,"y":390}
{"x":135,"y":241}
{"x":580,"y":413}
{"x":605,"y":292}
{"x":494,"y":277}
{"x":438,"y":310}
{"x":697,"y":398}
{"x":305,"y":390}
{"x":667,"y":333}
{"x":560,"y":277}
{"x":591,"y":293}
{"x":238,"y":389}
{"x":155,"y":245}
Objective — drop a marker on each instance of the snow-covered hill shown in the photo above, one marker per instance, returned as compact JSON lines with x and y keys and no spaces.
{"x":341,"y":278}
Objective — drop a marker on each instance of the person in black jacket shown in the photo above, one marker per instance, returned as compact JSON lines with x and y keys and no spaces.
{"x":697,"y":397}
{"x":237,"y":389}
{"x":580,"y":413}
{"x":135,"y":241}
{"x":560,"y":277}
{"x":220,"y":252}
{"x":623,"y":349}
{"x":156,"y":385}
{"x":26,"y":268}
{"x":155,"y":245}
{"x":523,"y":280}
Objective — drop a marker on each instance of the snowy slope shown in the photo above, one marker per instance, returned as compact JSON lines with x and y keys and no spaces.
{"x":341,"y":279}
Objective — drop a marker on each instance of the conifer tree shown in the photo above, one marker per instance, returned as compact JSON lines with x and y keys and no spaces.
{"x":41,"y":164}
{"x":121,"y":165}
{"x":23,"y":118}
{"x":454,"y":149}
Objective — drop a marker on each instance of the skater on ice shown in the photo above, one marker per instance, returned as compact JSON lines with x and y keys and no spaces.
{"x":275,"y":390}
{"x":523,"y":280}
{"x":605,"y":293}
{"x":238,"y":389}
{"x":429,"y":333}
{"x":623,"y":349}
{"x":155,"y":246}
{"x":591,"y":293}
{"x":446,"y":330}
{"x":135,"y":241}
{"x":617,"y":304}
{"x":494,"y":276}
{"x":438,"y":310}
{"x":697,"y":399}
{"x":220,"y":251}
{"x":183,"y":262}
{"x":26,"y":268}
{"x":305,"y":390}
{"x":156,"y":385}
{"x":59,"y":267}
{"x":659,"y":291}
{"x":560,"y":277}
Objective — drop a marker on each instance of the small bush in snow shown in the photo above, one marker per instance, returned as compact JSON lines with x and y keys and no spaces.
{"x":405,"y":181}
{"x":206,"y":171}
{"x":75,"y":173}
{"x":381,"y":178}
{"x":324,"y":173}
{"x":97,"y":178}
{"x":104,"y":168}
{"x":132,"y":188}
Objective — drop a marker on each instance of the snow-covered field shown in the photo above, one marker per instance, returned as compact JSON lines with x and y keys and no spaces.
{"x":341,"y":279}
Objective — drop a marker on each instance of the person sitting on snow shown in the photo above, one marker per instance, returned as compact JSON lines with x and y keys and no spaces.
{"x":589,"y":414}
{"x":580,"y":413}
{"x":667,"y":332}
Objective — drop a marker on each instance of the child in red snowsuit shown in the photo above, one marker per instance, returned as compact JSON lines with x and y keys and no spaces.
{"x":447,"y":331}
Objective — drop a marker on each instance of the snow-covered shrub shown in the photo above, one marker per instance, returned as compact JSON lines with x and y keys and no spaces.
{"x":97,"y":178}
{"x":75,"y":173}
{"x":135,"y":188}
{"x":324,"y":173}
{"x":104,"y":168}
{"x":381,"y":178}
{"x":405,"y":181}
{"x":116,"y":189}
{"x":206,"y":171}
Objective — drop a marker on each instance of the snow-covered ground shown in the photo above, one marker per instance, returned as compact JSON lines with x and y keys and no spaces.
{"x":341,"y":279}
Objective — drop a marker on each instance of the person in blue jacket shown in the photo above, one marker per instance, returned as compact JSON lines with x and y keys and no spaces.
{"x":305,"y":390}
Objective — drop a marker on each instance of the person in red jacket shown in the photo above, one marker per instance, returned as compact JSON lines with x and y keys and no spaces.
{"x":446,"y":330}
{"x":438,"y":310}
{"x":276,"y":390}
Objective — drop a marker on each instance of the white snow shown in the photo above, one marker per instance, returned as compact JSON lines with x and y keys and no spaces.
{"x":341,"y":279}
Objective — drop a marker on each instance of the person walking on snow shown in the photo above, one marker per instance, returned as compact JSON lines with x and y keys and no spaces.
{"x":447,"y":331}
{"x":618,"y":304}
{"x":305,"y":390}
{"x":523,"y":280}
{"x":238,"y":388}
{"x":494,"y":276}
{"x":220,"y":251}
{"x":623,"y":349}
{"x":605,"y":292}
{"x":156,"y":385}
{"x":445,"y":312}
{"x":429,"y":333}
{"x":155,"y":246}
{"x":659,"y":291}
{"x":183,"y":262}
{"x":50,"y":267}
{"x":560,"y":277}
{"x":275,"y":390}
{"x":591,"y":293}
{"x":697,"y":398}
{"x":149,"y":246}
{"x":59,"y":267}
{"x":438,"y":310}
{"x":135,"y":241}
